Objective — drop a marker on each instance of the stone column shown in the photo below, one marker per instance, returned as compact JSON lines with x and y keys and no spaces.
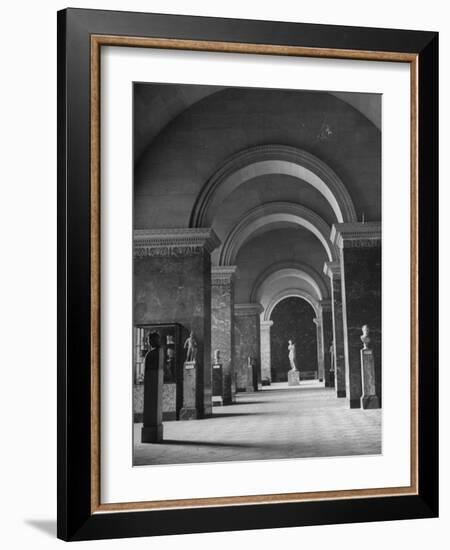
{"x":333,"y":270}
{"x":246,"y":342}
{"x":172,"y":284}
{"x":360,"y":260}
{"x":327,"y":330}
{"x":222,"y":325}
{"x":266,"y":376}
{"x":320,"y":351}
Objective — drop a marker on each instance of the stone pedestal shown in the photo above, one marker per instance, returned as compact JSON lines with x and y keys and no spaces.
{"x":189,"y":411}
{"x":360,"y":259}
{"x":266,"y":376}
{"x":293,"y":378}
{"x":369,"y":398}
{"x":222,"y":326}
{"x":250,"y":386}
{"x":152,"y":430}
{"x":172,"y":284}
{"x":169,"y":402}
{"x":217,"y":384}
{"x":247,"y":342}
{"x":333,"y":270}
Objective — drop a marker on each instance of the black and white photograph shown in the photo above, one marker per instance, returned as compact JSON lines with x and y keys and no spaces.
{"x":221,"y":282}
{"x":257,"y":274}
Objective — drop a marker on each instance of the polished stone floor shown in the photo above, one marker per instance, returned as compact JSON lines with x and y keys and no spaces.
{"x":277,"y":422}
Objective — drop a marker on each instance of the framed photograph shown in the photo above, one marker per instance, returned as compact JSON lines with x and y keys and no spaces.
{"x":247,"y":274}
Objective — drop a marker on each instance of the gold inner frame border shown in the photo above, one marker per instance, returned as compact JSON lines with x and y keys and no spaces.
{"x":97,"y":41}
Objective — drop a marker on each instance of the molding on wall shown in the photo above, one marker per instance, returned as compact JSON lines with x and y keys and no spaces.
{"x":332,"y":269}
{"x":174,"y":242}
{"x":243,"y":310}
{"x":356,"y":235}
{"x":223,"y":275}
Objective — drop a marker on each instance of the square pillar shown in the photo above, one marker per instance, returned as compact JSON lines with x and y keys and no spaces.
{"x":222,"y":325}
{"x":247,"y":343}
{"x":266,"y":377}
{"x":333,"y":270}
{"x":172,"y":284}
{"x":327,"y":331}
{"x":360,"y":259}
{"x":320,"y":351}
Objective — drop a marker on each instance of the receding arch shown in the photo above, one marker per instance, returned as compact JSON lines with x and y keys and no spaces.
{"x":271,"y":215}
{"x":266,"y":160}
{"x":290,"y":293}
{"x":289,"y":269}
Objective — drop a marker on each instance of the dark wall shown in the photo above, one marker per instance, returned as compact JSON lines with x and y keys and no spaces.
{"x":292,"y":320}
{"x":363,"y":307}
{"x":177,"y":289}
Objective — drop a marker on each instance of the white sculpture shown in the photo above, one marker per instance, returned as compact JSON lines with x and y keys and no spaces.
{"x":292,"y":355}
{"x":191,"y":346}
{"x":365,"y":339}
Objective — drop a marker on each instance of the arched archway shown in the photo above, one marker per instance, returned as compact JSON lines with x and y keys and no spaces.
{"x":266,"y":160}
{"x":293,"y":317}
{"x":272,"y":215}
{"x":299,"y":270}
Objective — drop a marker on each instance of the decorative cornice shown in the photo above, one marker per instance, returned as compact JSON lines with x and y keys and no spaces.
{"x":174,"y":242}
{"x":223,"y":274}
{"x":356,"y":235}
{"x":332,"y":269}
{"x":243,"y":310}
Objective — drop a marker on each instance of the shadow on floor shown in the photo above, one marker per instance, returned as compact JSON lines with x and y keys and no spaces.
{"x":185,"y":442}
{"x":236,"y":414}
{"x":244,"y":402}
{"x":47,"y":526}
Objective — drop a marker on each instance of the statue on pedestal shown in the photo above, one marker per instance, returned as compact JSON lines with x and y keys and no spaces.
{"x":217,"y":357}
{"x":292,"y":355}
{"x":365,"y":339}
{"x":191,"y":346}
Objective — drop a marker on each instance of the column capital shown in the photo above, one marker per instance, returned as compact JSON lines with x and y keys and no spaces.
{"x":325,"y":305}
{"x":356,"y":235}
{"x":317,"y":321}
{"x":242,"y":310}
{"x":223,"y":274}
{"x":266,"y":324}
{"x":332,"y":270}
{"x":174,"y":242}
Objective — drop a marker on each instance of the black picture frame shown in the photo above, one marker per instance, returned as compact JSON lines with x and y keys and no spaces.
{"x":76,"y":520}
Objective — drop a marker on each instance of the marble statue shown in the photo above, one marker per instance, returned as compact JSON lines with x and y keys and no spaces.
{"x":191,"y":346}
{"x":217,"y":356}
{"x":365,"y":339}
{"x":292,"y":356}
{"x":332,"y":356}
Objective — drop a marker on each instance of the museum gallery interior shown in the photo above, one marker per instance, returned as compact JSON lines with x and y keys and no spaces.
{"x":257,"y":265}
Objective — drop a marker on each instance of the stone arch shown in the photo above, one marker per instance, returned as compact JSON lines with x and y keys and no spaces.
{"x":267,"y":216}
{"x":266,"y":160}
{"x":300,"y":269}
{"x":290,"y":293}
